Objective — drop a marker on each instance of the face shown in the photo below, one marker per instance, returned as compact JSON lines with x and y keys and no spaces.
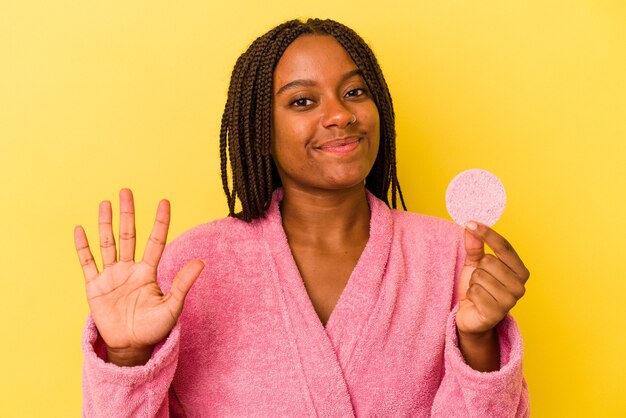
{"x":325,"y":125}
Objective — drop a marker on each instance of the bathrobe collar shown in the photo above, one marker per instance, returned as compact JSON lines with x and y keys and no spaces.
{"x":325,"y":352}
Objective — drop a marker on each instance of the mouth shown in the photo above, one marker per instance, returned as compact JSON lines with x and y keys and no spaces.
{"x":341,"y":145}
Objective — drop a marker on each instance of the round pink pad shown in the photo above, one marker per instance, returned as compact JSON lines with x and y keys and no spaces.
{"x":475,"y":195}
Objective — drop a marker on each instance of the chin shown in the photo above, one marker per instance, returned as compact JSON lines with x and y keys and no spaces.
{"x":346,"y":182}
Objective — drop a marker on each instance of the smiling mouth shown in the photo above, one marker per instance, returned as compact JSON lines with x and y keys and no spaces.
{"x":341,"y":145}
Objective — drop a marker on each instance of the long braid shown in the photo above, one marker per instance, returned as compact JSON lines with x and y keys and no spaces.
{"x":227,"y":121}
{"x":245,"y":134}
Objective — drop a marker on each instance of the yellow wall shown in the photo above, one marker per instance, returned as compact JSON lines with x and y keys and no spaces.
{"x":95,"y":96}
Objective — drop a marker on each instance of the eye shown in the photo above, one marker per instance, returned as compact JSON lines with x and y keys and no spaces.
{"x":356,"y":92}
{"x":302,"y":102}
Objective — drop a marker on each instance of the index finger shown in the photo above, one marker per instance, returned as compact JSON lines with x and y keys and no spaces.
{"x":501,"y":247}
{"x":158,"y":236}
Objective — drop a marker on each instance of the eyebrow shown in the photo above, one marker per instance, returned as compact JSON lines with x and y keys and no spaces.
{"x":309,"y":83}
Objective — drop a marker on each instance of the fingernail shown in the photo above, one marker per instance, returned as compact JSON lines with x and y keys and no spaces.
{"x":471,"y":225}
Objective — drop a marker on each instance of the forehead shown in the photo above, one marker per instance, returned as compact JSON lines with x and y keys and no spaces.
{"x":312,"y":57}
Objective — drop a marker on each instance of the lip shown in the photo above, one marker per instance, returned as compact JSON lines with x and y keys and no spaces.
{"x":341,"y":145}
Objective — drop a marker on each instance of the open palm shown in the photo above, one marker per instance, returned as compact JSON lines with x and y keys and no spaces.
{"x":127,"y":305}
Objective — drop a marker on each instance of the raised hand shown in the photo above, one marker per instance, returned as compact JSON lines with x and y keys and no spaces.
{"x":127,"y":305}
{"x":489,"y":286}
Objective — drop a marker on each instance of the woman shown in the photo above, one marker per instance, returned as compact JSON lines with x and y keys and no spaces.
{"x":316,"y":298}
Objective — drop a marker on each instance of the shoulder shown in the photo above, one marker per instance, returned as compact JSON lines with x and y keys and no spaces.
{"x":410,"y":222}
{"x":211,"y":242}
{"x":213,"y":236}
{"x":434,"y":244}
{"x":411,"y":228}
{"x":414,"y":230}
{"x":432,"y":225}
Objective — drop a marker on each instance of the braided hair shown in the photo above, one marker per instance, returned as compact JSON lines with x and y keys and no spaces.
{"x":245,"y":133}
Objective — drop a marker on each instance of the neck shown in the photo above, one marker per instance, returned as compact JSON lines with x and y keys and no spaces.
{"x":328,"y":217}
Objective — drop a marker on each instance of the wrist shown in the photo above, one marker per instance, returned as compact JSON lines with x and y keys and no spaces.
{"x":129,"y":357}
{"x":481,"y":351}
{"x":478,"y":338}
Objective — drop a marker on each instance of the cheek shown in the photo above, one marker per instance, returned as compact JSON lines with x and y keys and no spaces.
{"x":286,"y":142}
{"x":370,"y":117}
{"x":293,"y":133}
{"x":280,"y":128}
{"x":376,"y":120}
{"x":281,"y":135}
{"x":373,"y":127}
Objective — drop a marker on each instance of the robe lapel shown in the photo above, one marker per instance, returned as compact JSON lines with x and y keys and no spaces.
{"x":359,"y":298}
{"x":324,"y":353}
{"x":322,"y":378}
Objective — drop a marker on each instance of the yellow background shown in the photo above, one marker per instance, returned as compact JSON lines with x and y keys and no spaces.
{"x":95,"y":96}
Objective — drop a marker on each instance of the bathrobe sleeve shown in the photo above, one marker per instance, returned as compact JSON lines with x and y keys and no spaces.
{"x":465,"y":392}
{"x":141,"y":391}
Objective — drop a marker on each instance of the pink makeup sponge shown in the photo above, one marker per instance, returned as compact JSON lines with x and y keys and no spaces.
{"x":475,"y":195}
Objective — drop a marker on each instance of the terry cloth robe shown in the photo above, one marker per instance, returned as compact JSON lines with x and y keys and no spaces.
{"x":249,"y":342}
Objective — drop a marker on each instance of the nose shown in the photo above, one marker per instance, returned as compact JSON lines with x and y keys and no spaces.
{"x":337,"y":114}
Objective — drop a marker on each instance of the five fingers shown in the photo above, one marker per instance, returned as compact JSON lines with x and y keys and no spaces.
{"x":108,"y":250}
{"x":114,"y":284}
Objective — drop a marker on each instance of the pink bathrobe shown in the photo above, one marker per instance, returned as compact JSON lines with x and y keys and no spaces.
{"x":249,"y":342}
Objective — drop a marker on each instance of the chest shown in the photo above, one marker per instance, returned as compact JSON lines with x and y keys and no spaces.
{"x":325,"y":273}
{"x":387,"y":327}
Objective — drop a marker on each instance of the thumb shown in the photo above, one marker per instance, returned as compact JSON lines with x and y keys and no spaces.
{"x":474,"y":245}
{"x":183,"y":281}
